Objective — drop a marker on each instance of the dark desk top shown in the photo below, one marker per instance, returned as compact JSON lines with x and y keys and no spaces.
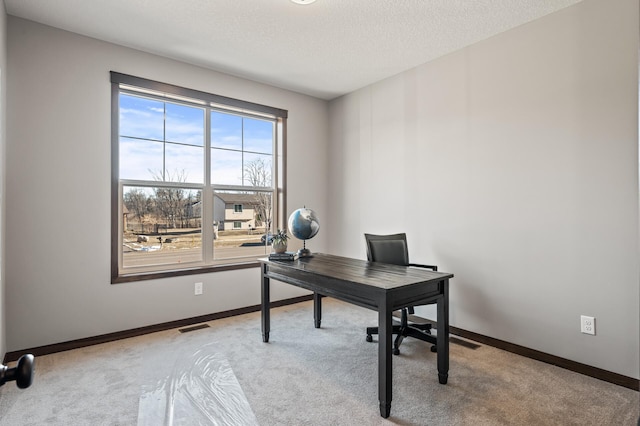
{"x":377,"y":286}
{"x":380,"y":275}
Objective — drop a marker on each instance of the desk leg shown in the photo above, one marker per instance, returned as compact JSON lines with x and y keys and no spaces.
{"x":443,"y":334}
{"x":317,"y":309}
{"x":385,"y":329}
{"x":266,"y":301}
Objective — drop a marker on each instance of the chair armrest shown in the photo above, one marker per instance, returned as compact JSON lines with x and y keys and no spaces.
{"x":419,"y":265}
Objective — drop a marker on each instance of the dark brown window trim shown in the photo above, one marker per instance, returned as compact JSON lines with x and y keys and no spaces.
{"x":118,"y":78}
{"x":142,"y":276}
{"x":144,"y":83}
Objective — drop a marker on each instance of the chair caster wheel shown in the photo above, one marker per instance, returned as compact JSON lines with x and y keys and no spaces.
{"x":396,"y":351}
{"x":369,"y":338}
{"x":434,"y":348}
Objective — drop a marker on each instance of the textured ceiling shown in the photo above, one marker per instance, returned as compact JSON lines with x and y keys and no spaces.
{"x":324,"y":49}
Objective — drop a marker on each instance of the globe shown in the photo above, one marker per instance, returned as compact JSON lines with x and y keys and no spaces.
{"x":303,"y":224}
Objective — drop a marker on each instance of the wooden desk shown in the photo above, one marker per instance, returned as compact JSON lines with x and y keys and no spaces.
{"x":381,"y":287}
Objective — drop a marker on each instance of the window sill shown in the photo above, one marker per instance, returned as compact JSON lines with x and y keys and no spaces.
{"x":143,"y":276}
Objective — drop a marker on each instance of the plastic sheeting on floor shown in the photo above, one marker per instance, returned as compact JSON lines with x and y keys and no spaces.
{"x":199,"y":389}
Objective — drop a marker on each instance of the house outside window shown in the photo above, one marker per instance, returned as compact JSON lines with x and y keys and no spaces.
{"x":197,"y":180}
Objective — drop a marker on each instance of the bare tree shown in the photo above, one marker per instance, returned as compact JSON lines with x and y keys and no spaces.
{"x":170,"y":202}
{"x":189,"y":211}
{"x":257,"y":173}
{"x":138,"y":204}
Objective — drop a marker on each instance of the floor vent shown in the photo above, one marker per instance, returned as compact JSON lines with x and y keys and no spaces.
{"x":194,"y":328}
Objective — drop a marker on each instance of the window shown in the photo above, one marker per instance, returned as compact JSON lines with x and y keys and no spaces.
{"x":197,"y":180}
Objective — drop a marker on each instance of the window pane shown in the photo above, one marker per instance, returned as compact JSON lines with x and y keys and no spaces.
{"x":226,"y":167}
{"x":141,"y":117}
{"x":139,"y":157}
{"x":243,"y":233}
{"x":257,"y":170}
{"x":164,"y":150}
{"x":184,"y":163}
{"x":226,"y":131}
{"x":258,"y":136}
{"x":185,"y":124}
{"x":162,"y":226}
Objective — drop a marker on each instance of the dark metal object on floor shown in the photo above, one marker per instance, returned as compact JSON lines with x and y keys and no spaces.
{"x":22,"y":373}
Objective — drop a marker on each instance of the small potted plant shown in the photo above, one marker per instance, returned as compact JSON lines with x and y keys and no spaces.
{"x":280,"y":241}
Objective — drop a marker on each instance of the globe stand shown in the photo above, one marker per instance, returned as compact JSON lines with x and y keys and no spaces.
{"x":303,"y":224}
{"x":304,"y":251}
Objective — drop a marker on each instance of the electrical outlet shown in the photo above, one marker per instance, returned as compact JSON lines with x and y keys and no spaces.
{"x":587,"y":324}
{"x":198,"y":289}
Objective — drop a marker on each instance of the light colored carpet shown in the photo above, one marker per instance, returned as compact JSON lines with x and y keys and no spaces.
{"x":308,"y":376}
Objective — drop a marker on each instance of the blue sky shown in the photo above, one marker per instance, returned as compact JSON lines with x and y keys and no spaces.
{"x":150,"y":127}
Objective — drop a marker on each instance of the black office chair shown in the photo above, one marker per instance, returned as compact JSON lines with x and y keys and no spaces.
{"x":393,"y":249}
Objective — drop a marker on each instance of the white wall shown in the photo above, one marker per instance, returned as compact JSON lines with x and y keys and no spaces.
{"x":58,"y":189}
{"x":514,"y":165}
{"x":3,"y":97}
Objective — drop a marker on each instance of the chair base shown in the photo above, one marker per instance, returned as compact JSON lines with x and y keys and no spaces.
{"x":418,"y":331}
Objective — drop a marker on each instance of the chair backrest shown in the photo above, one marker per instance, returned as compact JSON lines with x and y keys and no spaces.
{"x":387,"y":248}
